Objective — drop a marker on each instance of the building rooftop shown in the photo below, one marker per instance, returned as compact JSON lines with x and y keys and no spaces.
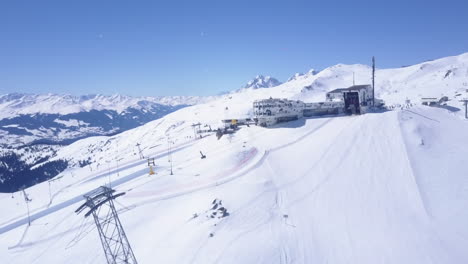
{"x":354,"y":87}
{"x":339,"y":90}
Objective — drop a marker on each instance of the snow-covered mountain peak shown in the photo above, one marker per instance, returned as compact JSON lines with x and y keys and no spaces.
{"x":299,"y":75}
{"x":295,"y":76}
{"x":312,"y":72}
{"x":261,"y":81}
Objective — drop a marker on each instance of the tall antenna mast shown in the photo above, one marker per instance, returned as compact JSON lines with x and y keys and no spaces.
{"x":373,"y":81}
{"x":465,"y":103}
{"x":353,"y":79}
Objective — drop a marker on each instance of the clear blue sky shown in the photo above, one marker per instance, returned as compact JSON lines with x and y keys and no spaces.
{"x":205,"y":47}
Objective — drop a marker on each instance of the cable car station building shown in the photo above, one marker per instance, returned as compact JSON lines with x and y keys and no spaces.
{"x":353,"y":100}
{"x":356,"y":98}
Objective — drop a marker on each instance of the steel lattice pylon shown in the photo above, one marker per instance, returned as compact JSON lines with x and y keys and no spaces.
{"x":116,"y":247}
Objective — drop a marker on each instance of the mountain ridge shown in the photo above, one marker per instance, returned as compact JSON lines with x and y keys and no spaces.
{"x":13,"y":104}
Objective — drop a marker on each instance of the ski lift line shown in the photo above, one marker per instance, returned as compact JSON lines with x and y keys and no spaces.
{"x":117,"y":158}
{"x":55,"y":194}
{"x":71,"y":201}
{"x":66,"y":203}
{"x":422,"y":115}
{"x":104,"y":174}
{"x":87,"y":227}
{"x":127,"y":208}
{"x":58,"y":235}
{"x":201,"y":186}
{"x":20,"y":241}
{"x":209,"y":181}
{"x":195,"y":160}
{"x":27,"y":200}
{"x":74,"y":200}
{"x":139,"y":162}
{"x":131,"y":163}
{"x":205,"y":185}
{"x":78,"y":234}
{"x":58,"y":207}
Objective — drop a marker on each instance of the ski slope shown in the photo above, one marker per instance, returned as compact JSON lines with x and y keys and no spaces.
{"x":378,"y":188}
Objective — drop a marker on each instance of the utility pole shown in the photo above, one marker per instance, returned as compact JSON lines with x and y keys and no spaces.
{"x":169,"y":153}
{"x":50,"y":191}
{"x":109,"y":172}
{"x":27,"y":200}
{"x":117,"y":159}
{"x":465,"y":102}
{"x":100,"y":203}
{"x":373,"y":81}
{"x":195,"y":130}
{"x":50,"y":194}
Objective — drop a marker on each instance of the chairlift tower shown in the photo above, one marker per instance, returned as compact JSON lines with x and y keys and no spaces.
{"x":27,"y":200}
{"x":139,"y":151}
{"x":50,"y":190}
{"x":169,"y":152}
{"x":196,"y":129}
{"x":100,"y":203}
{"x":151,"y":164}
{"x":373,"y":81}
{"x":465,"y":103}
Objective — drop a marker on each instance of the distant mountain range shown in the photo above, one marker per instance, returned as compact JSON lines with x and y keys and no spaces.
{"x":62,"y":119}
{"x":15,"y":104}
{"x":34,"y":127}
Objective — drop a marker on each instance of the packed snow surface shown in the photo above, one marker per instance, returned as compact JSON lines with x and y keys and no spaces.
{"x":377,"y":188}
{"x":383,"y":187}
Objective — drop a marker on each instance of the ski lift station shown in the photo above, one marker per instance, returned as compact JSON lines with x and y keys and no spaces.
{"x":356,"y":98}
{"x":430,"y":101}
{"x":353,"y":100}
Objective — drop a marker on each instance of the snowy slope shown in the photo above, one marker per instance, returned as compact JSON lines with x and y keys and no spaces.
{"x":31,"y":125}
{"x":392,"y":85}
{"x":329,"y":190}
{"x":443,"y":77}
{"x":378,"y":188}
